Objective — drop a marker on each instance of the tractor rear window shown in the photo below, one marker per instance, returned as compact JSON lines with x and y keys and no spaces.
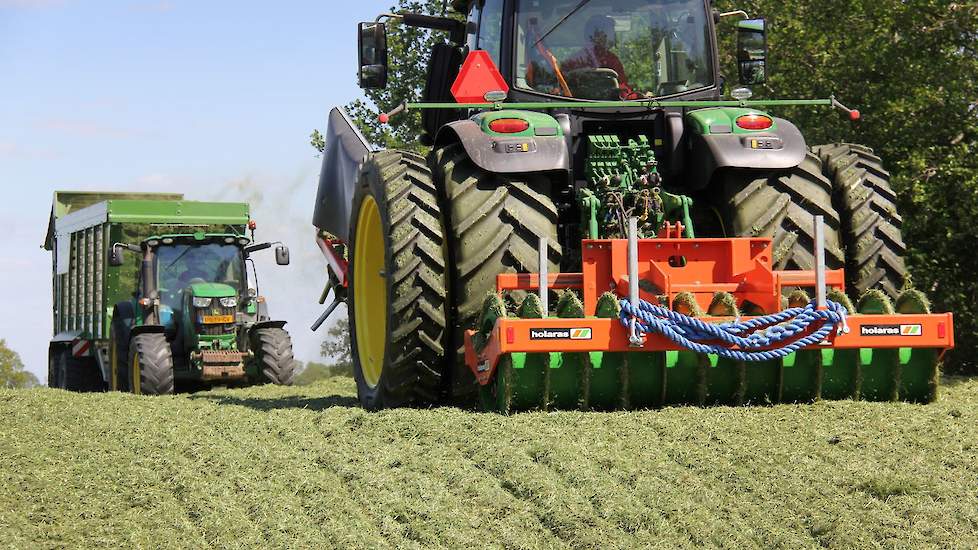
{"x":613,"y":49}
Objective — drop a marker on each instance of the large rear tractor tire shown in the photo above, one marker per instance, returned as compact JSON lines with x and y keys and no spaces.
{"x":780,"y":205}
{"x":150,"y":364}
{"x":273,"y":352}
{"x":495,"y":223}
{"x":397,"y":297}
{"x":870,"y":221}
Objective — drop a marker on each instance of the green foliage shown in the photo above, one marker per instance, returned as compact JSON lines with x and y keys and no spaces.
{"x":305,"y":467}
{"x":909,"y":66}
{"x":408,"y":51}
{"x":313,"y":372}
{"x":12,"y":372}
{"x":336,"y":349}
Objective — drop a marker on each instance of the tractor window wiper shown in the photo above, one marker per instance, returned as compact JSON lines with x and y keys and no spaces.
{"x":576,"y":9}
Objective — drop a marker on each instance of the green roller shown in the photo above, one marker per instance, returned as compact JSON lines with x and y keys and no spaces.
{"x":609,"y":382}
{"x":808,"y":375}
{"x":880,"y":370}
{"x":725,"y":378}
{"x":569,"y":372}
{"x":919,"y":371}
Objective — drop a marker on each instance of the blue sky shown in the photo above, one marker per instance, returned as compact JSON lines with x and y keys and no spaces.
{"x":214,"y":99}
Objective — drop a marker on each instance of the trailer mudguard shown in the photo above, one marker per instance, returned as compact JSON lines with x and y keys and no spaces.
{"x":346,"y":148}
{"x":507,"y":155}
{"x":146,"y":329}
{"x":716,"y":143}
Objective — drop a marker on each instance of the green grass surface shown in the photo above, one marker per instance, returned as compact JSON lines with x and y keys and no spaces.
{"x":304,"y":467}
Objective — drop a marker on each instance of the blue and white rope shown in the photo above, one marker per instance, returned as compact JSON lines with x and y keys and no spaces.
{"x":750,"y":337}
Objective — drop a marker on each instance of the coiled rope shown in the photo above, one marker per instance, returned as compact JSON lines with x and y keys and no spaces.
{"x":759,"y":339}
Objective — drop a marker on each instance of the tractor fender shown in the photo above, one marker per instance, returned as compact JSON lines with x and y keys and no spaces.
{"x":710,"y":152}
{"x":545,"y":153}
{"x":346,"y":149}
{"x":266,"y":324}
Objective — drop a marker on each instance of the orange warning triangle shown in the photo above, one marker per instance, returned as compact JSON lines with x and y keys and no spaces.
{"x":478,"y":76}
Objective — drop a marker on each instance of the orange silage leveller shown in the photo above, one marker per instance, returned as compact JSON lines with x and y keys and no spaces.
{"x":586,"y":357}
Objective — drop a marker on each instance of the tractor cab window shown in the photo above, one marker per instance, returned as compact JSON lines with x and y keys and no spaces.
{"x":484,"y":27}
{"x":613,"y":49}
{"x":180,"y":265}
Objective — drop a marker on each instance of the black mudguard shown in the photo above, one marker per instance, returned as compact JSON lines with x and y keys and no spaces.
{"x":346,"y":149}
{"x":266,"y":324}
{"x":146,"y":329}
{"x":489,"y":152}
{"x":712,"y":152}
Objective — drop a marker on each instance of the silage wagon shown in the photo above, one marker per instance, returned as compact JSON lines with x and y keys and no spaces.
{"x":150,"y":292}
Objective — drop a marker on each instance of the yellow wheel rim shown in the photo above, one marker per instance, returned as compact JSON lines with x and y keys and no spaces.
{"x":370,"y":288}
{"x":134,"y":379}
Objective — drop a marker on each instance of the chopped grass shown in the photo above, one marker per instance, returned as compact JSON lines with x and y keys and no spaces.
{"x":304,"y":467}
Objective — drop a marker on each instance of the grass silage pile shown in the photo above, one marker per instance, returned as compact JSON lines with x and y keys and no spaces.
{"x":304,"y":467}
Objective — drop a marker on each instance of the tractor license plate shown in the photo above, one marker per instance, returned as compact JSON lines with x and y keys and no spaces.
{"x":218,"y":319}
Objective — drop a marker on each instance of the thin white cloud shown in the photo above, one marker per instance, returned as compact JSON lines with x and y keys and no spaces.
{"x":11,"y":150}
{"x":88,"y":128}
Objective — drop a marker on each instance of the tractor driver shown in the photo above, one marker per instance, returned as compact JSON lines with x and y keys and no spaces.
{"x":597,"y":54}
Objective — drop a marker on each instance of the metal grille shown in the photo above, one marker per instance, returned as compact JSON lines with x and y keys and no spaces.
{"x":215,"y":309}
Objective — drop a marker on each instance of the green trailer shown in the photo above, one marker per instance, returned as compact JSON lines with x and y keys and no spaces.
{"x":151,"y":293}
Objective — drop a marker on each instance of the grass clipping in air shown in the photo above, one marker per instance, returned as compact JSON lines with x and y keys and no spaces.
{"x":278,"y":467}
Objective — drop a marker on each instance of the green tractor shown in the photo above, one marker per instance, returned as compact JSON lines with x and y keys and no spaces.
{"x":193,"y":319}
{"x":551,"y":123}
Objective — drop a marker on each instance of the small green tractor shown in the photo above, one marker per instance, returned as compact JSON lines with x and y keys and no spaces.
{"x":553,"y":125}
{"x":152,"y":293}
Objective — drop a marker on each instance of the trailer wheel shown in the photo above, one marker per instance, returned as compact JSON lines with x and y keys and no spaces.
{"x":273,"y":352}
{"x":781,"y":205}
{"x":870,"y":221}
{"x":119,"y":348}
{"x":56,"y":357}
{"x":71,"y":373}
{"x":150,"y":364}
{"x":397,"y":283}
{"x":495,"y":223}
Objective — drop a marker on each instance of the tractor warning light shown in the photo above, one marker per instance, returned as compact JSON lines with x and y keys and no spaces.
{"x":508,"y":125}
{"x":252,"y":225}
{"x":754,"y":122}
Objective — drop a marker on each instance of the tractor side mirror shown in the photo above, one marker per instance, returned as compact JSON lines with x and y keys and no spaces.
{"x":372,"y":47}
{"x":752,"y":51}
{"x":115,"y":256}
{"x":282,"y":255}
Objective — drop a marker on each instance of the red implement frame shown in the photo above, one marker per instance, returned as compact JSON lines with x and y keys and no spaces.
{"x":667,"y":267}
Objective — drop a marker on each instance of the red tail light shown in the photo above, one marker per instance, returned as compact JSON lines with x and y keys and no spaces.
{"x":754,"y":122}
{"x":508,"y":125}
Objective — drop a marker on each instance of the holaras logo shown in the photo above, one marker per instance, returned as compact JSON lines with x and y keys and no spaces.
{"x":560,"y":333}
{"x":891,"y":330}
